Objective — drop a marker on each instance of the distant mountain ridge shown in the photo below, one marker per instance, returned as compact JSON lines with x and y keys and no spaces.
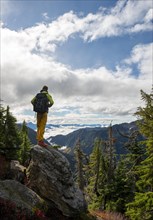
{"x":55,"y":129}
{"x":49,"y":125}
{"x":88,"y":135}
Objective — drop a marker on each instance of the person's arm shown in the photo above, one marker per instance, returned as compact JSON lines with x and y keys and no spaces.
{"x":51,"y":102}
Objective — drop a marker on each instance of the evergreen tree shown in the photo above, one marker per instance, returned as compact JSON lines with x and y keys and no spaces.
{"x":79,"y":165}
{"x":123,"y":185}
{"x":126,"y":172}
{"x":142,"y":206}
{"x":25,"y":144}
{"x":102,"y":165}
{"x":92,"y":173}
{"x":107,"y":172}
{"x":2,"y":122}
{"x":10,"y":139}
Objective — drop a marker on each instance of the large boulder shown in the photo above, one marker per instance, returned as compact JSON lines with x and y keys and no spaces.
{"x":19,"y":202}
{"x":17,"y":171}
{"x":50,"y":176}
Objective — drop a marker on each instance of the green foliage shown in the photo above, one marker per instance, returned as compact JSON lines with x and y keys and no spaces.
{"x":142,"y":206}
{"x":2,"y":122}
{"x":145,"y":114}
{"x":92,"y":174}
{"x":14,"y":144}
{"x":115,"y":186}
{"x":25,"y":148}
{"x":10,"y":137}
{"x":126,"y":175}
{"x":100,"y":176}
{"x":56,"y":147}
{"x":123,"y":186}
{"x":81,"y":159}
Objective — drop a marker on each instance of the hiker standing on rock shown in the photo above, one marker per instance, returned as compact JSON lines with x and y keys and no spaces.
{"x":41,"y":103}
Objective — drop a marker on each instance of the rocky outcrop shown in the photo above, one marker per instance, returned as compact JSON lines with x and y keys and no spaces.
{"x":49,"y":191}
{"x":17,"y":171}
{"x":17,"y":201}
{"x":50,"y":176}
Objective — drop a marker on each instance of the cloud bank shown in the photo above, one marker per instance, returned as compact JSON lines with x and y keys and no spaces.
{"x":27,"y":63}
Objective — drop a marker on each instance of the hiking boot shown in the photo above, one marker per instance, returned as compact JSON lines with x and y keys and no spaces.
{"x":42,"y":144}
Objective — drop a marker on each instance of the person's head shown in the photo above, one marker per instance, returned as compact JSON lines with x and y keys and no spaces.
{"x":45,"y":88}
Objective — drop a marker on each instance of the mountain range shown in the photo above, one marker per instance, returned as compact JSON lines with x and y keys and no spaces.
{"x":122,"y":133}
{"x":55,"y":129}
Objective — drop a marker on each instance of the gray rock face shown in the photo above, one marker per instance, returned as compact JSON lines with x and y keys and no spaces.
{"x":21,"y":196}
{"x":17,"y":171}
{"x":50,"y":176}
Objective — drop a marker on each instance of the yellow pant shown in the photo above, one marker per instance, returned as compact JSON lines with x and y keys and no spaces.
{"x":41,"y":123}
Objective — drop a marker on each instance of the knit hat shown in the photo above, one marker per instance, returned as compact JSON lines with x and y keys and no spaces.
{"x":45,"y":88}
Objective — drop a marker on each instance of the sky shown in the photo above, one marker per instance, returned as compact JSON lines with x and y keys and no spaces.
{"x":95,"y":57}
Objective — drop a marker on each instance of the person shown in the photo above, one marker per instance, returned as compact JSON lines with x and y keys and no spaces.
{"x":45,"y":102}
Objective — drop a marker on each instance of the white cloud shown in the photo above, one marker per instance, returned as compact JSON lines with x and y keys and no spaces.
{"x":45,"y":16}
{"x":84,"y":93}
{"x":142,"y":56}
{"x":149,"y":15}
{"x":141,"y":27}
{"x":125,"y":18}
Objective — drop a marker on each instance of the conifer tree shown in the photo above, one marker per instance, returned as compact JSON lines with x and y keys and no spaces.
{"x":10,"y":134}
{"x":93,"y":174}
{"x":80,"y":156}
{"x":142,"y":206}
{"x":123,"y":185}
{"x":25,"y":144}
{"x":126,"y":171}
{"x":102,"y":166}
{"x":108,"y":166}
{"x":111,"y":153}
{"x":2,"y":121}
